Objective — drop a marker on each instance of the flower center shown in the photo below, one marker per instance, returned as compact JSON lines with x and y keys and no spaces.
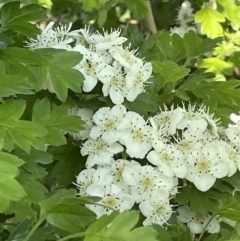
{"x":203,"y":165}
{"x":138,"y":134}
{"x":146,"y":183}
{"x":110,"y":201}
{"x":118,"y":173}
{"x":110,"y":125}
{"x":100,"y":147}
{"x":165,"y":157}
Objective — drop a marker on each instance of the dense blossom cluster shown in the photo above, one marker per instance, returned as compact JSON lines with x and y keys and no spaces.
{"x":135,"y":161}
{"x":122,"y":74}
{"x":178,"y":143}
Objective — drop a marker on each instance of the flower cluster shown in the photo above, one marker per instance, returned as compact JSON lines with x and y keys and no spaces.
{"x":122,"y":74}
{"x":178,"y":143}
{"x":184,"y":19}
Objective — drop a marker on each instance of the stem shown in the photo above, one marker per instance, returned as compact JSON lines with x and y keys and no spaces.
{"x":148,"y":24}
{"x":75,"y":235}
{"x":209,"y":221}
{"x":33,"y":229}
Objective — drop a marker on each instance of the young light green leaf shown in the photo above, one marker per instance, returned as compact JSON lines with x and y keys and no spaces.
{"x":107,"y":228}
{"x":210,"y":20}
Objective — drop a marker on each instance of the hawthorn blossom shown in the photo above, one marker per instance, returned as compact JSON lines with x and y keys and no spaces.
{"x":144,"y":180}
{"x":90,"y":176}
{"x":99,"y":152}
{"x":107,"y":40}
{"x":170,"y":119}
{"x":156,"y":209}
{"x":137,"y":137}
{"x":233,"y":134}
{"x":91,"y":66}
{"x":185,"y":14}
{"x":169,"y":160}
{"x":116,"y":168}
{"x":109,"y":123}
{"x":113,"y":198}
{"x":231,"y":155}
{"x":136,"y":79}
{"x":86,"y":116}
{"x":58,"y":38}
{"x":124,"y":56}
{"x":205,"y":165}
{"x":197,"y":222}
{"x":114,"y":84}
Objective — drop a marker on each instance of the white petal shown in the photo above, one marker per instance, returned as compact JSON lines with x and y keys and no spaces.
{"x":89,"y":83}
{"x":220,"y":169}
{"x":204,"y":182}
{"x":95,"y":132}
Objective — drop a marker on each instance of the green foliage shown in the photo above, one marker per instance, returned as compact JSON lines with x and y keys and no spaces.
{"x":107,"y":228}
{"x":57,"y":121}
{"x":57,"y":71}
{"x":210,"y":20}
{"x":17,"y":19}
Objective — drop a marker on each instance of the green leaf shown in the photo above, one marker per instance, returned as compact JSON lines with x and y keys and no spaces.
{"x":14,"y":84}
{"x":89,"y":5}
{"x":138,"y":8}
{"x":71,"y":218}
{"x":230,"y":206}
{"x":15,"y":18}
{"x":216,"y":65}
{"x":210,"y":19}
{"x":70,"y":163}
{"x":47,"y":205}
{"x":144,"y":104}
{"x":199,"y":201}
{"x":23,"y":133}
{"x":107,"y":228}
{"x":231,"y":11}
{"x":61,"y":73}
{"x":57,"y":122}
{"x":170,"y":71}
{"x":10,"y":189}
{"x":195,"y":46}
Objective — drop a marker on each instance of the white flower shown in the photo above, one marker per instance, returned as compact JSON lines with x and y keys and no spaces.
{"x":181,"y":31}
{"x":113,"y":198}
{"x":91,"y":66}
{"x":185,"y":14}
{"x":157,"y":209}
{"x":197,"y":222}
{"x":233,"y":134}
{"x":205,"y":165}
{"x":231,"y":156}
{"x":193,"y":119}
{"x":107,"y":40}
{"x":144,"y":180}
{"x":86,"y":115}
{"x":114,"y":84}
{"x":169,"y":160}
{"x":137,"y":137}
{"x":109,"y":123}
{"x":170,"y":119}
{"x":235,"y":119}
{"x":116,"y":168}
{"x":188,"y":142}
{"x":136,"y":79}
{"x":99,"y":152}
{"x":158,"y":134}
{"x":90,"y":176}
{"x":58,"y":38}
{"x":124,"y":56}
{"x":213,"y":123}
